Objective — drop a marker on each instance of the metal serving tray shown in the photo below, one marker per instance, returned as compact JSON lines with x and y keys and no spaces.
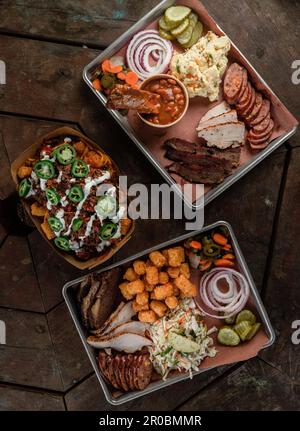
{"x":69,"y":293}
{"x":239,"y":173}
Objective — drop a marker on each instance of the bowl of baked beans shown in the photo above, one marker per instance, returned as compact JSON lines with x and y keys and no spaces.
{"x":173,"y":102}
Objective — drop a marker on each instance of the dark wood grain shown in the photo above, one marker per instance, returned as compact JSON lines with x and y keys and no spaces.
{"x":50,"y":86}
{"x":282,"y":294}
{"x":254,"y":386}
{"x":71,"y":357}
{"x":28,"y":358}
{"x":90,"y":22}
{"x":89,"y":393}
{"x":15,"y":399}
{"x":19,"y":286}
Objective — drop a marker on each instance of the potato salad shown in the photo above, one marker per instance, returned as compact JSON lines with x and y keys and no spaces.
{"x":201,"y":67}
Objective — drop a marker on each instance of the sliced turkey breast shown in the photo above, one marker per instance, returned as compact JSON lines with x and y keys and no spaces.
{"x":224,"y":135}
{"x":124,"y":342}
{"x":122,"y":314}
{"x":220,"y":109}
{"x":228,"y":117}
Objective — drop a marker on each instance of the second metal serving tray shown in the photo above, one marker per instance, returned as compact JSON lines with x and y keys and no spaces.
{"x":122,"y":121}
{"x":69,"y":293}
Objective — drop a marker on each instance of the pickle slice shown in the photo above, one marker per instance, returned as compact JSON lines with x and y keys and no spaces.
{"x":230,"y":320}
{"x":228,"y":337}
{"x":242,"y":329}
{"x":166,"y":34}
{"x":185,"y":37}
{"x":164,"y":25}
{"x":174,"y":15}
{"x":197,"y":33}
{"x":246,"y":315}
{"x":254,"y":330}
{"x":181,"y":28}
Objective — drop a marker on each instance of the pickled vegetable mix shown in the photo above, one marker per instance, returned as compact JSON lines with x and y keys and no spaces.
{"x":211,"y":250}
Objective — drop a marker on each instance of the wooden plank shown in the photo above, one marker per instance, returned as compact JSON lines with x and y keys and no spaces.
{"x":16,"y":134}
{"x":20,"y":287}
{"x":28,"y":358}
{"x":255,"y":386}
{"x":72,"y":359}
{"x":52,"y":271}
{"x":48,"y":85}
{"x":16,"y":399}
{"x":282,"y":296}
{"x":92,"y":23}
{"x":89,"y":395}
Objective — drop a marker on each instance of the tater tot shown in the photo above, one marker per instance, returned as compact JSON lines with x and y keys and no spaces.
{"x":142,"y":298}
{"x":173,"y":272}
{"x":158,"y":307}
{"x":176,"y":291}
{"x":152,"y":275}
{"x":130,"y":275}
{"x":185,"y":270}
{"x":163,"y":277}
{"x":157,"y":259}
{"x":148,"y":287}
{"x":125,"y":225}
{"x":139,"y":267}
{"x":166,"y":255}
{"x":162,"y":292}
{"x":38,"y":211}
{"x":172,"y":302}
{"x":24,"y":171}
{"x":135,"y":287}
{"x":124,"y":291}
{"x":79,"y":147}
{"x":152,"y":295}
{"x":148,"y":316}
{"x":187,"y":288}
{"x":47,"y":230}
{"x":176,"y":256}
{"x":137,"y":307}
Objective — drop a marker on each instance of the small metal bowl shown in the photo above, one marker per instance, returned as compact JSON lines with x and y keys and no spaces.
{"x":165,"y":76}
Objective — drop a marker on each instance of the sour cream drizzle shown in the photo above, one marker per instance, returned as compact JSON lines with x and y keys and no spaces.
{"x":89,"y":183}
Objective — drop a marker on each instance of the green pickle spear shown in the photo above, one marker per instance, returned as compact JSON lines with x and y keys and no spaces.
{"x":228,"y":337}
{"x":246,"y":315}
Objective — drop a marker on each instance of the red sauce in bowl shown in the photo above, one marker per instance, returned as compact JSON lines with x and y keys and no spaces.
{"x":172,"y":101}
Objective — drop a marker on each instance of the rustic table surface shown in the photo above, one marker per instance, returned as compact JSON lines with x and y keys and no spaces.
{"x":45,"y":46}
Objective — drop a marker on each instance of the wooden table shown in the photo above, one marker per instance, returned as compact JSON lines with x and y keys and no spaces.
{"x":45,"y":46}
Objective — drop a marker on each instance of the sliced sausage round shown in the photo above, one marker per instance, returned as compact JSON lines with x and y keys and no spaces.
{"x":243,"y":112}
{"x":262,"y":114}
{"x":244,"y":86}
{"x":256,"y":108}
{"x":265,"y":132}
{"x":233,"y":82}
{"x":263,"y":125}
{"x":144,"y":372}
{"x":244,"y":98}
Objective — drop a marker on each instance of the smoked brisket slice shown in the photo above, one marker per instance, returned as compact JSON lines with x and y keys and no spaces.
{"x":126,"y":97}
{"x":201,"y":173}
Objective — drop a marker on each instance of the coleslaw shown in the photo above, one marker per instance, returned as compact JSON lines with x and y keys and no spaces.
{"x":184,"y":322}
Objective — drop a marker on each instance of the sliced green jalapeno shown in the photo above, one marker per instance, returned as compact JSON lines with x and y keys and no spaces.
{"x":55,"y":224}
{"x":52,"y":196}
{"x":108,"y":231}
{"x":65,"y":154}
{"x":44,"y":169}
{"x":76,"y":225}
{"x":79,"y":169}
{"x":76,"y":194}
{"x":211,"y":250}
{"x":62,"y":243}
{"x":24,"y":187}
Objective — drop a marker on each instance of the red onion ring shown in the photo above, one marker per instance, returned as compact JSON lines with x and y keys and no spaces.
{"x":230,"y":302}
{"x":144,"y":45}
